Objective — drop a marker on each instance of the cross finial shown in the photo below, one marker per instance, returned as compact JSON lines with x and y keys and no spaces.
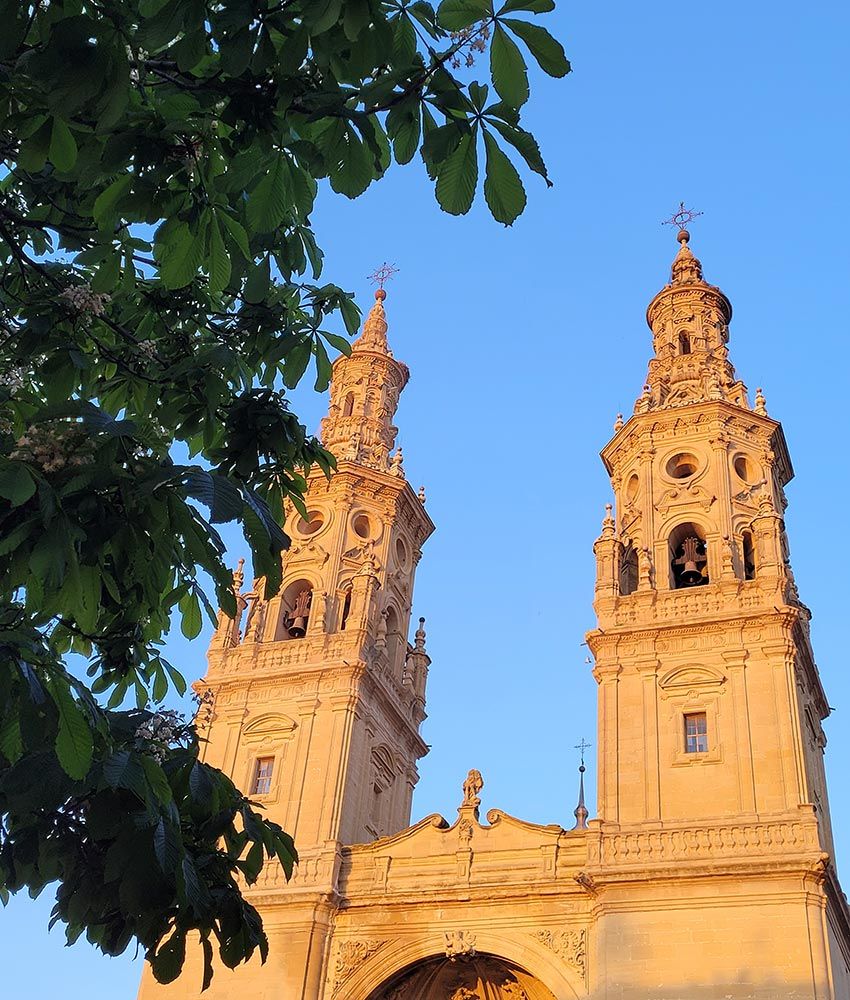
{"x":381,"y":275}
{"x":581,"y":747}
{"x":680,"y":219}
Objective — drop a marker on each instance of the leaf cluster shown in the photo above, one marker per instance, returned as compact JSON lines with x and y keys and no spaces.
{"x":161,"y":292}
{"x":148,"y":843}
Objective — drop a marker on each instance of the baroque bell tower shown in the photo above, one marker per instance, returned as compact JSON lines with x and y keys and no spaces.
{"x":711,"y":784}
{"x":312,"y":701}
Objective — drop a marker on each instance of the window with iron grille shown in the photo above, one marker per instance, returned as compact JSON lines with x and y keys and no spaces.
{"x":262,"y":783}
{"x":696,"y":733}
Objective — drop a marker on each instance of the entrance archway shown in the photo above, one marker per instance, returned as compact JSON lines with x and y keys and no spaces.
{"x":476,"y":977}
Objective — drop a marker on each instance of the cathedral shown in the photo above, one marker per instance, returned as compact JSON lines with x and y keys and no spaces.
{"x":708,"y":872}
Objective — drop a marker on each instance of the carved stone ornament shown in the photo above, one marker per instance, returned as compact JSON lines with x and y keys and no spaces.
{"x":465,"y":993}
{"x":471,"y":787}
{"x":349,"y":955}
{"x":460,"y":944}
{"x":685,"y":495}
{"x":571,"y":946}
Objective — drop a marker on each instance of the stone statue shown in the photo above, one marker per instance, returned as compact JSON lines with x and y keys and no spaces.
{"x":471,"y":787}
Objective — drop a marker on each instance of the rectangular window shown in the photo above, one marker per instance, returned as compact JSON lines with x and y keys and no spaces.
{"x":262,"y":783}
{"x":696,"y":733}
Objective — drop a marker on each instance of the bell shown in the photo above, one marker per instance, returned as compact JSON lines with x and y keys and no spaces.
{"x":690,"y":573}
{"x":298,"y":628}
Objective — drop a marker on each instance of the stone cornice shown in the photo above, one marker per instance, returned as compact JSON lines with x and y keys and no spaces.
{"x":643,"y":430}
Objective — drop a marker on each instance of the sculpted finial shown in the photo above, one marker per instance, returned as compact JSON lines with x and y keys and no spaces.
{"x":608,"y":524}
{"x":618,"y":423}
{"x":761,"y":403}
{"x":471,"y":787}
{"x":238,"y":576}
{"x":580,"y":812}
{"x":421,"y":494}
{"x":419,"y":638}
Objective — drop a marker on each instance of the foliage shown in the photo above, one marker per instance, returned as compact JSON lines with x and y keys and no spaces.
{"x":161,"y":162}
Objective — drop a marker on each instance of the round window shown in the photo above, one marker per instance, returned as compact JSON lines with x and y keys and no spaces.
{"x":309,"y":527}
{"x":682,"y":466}
{"x":400,"y":552}
{"x":362,"y":526}
{"x":745,"y":469}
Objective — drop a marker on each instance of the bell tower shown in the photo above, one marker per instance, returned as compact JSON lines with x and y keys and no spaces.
{"x":316,"y":697}
{"x":710,"y":703}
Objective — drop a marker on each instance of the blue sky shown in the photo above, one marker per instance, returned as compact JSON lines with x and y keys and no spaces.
{"x":524,"y":343}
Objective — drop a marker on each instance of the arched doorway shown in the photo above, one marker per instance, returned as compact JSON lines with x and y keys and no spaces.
{"x":475,"y":977}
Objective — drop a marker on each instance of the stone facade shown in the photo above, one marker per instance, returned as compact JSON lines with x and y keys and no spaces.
{"x":707,"y":873}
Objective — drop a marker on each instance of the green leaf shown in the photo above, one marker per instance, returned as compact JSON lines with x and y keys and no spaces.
{"x":104,"y":209}
{"x":124,"y":770}
{"x":547,"y":50}
{"x":16,"y":483}
{"x":296,"y":364}
{"x":403,"y":128}
{"x":167,"y":846}
{"x":74,"y":742}
{"x":525,"y":144}
{"x":219,"y":260}
{"x":453,"y":15}
{"x":63,"y":148}
{"x":11,"y":745}
{"x":216,"y":492}
{"x":268,"y":202}
{"x":535,"y":6}
{"x":503,"y":190}
{"x":167,"y":963}
{"x":507,"y":67}
{"x":236,"y":232}
{"x":259,"y":279}
{"x":352,"y":166}
{"x":323,"y":367}
{"x":181,"y":257}
{"x":458,"y":177}
{"x":191,"y":622}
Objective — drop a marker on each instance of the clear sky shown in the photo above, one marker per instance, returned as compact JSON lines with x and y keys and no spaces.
{"x":524,"y":343}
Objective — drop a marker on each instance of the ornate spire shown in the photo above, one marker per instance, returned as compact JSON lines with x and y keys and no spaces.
{"x":580,"y":812}
{"x":686,"y":267}
{"x":374,"y":335}
{"x":364,"y":397}
{"x":689,"y":319}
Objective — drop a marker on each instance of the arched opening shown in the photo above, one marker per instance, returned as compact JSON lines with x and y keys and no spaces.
{"x":632,"y":487}
{"x":688,"y":557}
{"x":348,"y":405}
{"x":628,"y":570}
{"x":295,"y":610}
{"x":345,"y":610}
{"x":684,"y":342}
{"x":748,"y":555}
{"x":395,"y":640}
{"x":463,"y":974}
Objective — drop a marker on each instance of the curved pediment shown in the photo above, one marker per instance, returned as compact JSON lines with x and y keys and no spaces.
{"x":691,"y":677}
{"x":270,"y":726}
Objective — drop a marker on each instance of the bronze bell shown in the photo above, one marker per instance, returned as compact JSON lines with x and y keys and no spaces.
{"x":298,"y":627}
{"x":689,"y":561}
